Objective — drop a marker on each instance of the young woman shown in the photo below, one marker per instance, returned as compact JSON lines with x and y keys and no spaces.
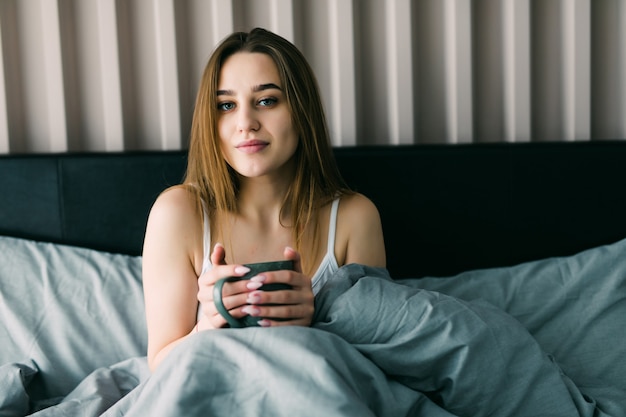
{"x":261,"y":185}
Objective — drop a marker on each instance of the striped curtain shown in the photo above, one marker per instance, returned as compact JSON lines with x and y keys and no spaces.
{"x":115,"y":75}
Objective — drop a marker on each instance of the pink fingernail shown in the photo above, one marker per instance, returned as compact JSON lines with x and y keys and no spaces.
{"x":251,"y":310}
{"x":253,"y":298}
{"x":254,"y":285}
{"x":258,"y":278}
{"x":242,"y":270}
{"x":264,"y":323}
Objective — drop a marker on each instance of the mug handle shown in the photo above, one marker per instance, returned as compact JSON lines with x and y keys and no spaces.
{"x":255,"y":269}
{"x":219,"y":304}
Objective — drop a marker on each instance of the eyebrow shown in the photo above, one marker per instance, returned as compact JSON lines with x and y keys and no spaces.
{"x":256,"y":89}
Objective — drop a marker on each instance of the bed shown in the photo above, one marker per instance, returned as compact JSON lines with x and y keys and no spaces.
{"x":504,"y":295}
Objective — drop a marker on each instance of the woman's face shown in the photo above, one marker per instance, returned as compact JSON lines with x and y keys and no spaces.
{"x":257,"y":136}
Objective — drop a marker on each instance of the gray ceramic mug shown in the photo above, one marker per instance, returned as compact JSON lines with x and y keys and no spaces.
{"x":255,"y":269}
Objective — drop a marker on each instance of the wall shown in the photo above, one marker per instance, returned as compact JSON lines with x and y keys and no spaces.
{"x":111,"y":75}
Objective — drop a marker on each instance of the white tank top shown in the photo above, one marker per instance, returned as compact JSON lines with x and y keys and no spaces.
{"x":327,"y":267}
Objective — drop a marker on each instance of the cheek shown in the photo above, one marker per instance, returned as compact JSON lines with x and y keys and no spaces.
{"x":226,"y":154}
{"x":222,"y":129}
{"x":294,"y":144}
{"x":291,"y":136}
{"x":223,"y":144}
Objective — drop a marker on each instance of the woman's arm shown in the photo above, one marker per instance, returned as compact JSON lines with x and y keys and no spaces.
{"x":169,"y":275}
{"x":172,"y":260}
{"x":360,"y":230}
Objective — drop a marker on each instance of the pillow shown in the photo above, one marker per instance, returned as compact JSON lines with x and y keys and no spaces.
{"x":574,"y":306}
{"x":69,"y":310}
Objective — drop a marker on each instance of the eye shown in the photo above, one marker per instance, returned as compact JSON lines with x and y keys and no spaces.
{"x":225,"y":106}
{"x":267,"y":102}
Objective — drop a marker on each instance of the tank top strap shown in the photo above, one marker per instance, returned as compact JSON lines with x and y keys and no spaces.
{"x":206,"y":241}
{"x":332,"y":227}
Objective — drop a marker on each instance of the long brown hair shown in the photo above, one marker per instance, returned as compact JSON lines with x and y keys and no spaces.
{"x":317,"y":180}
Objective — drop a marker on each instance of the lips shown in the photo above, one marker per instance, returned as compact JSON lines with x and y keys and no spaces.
{"x":252,"y":146}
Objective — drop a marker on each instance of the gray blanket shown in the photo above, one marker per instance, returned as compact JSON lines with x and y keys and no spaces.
{"x":376,"y":348}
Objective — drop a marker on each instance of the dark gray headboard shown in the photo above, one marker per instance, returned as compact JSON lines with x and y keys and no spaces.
{"x":445,"y":208}
{"x":99,"y":201}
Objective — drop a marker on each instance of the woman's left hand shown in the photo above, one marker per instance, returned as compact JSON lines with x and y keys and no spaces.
{"x":290,"y":307}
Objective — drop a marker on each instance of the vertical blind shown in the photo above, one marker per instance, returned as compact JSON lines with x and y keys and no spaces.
{"x":115,"y":75}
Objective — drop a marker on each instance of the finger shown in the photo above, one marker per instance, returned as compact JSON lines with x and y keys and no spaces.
{"x":292,"y":255}
{"x":282,"y":282}
{"x":232,"y":304}
{"x":278,"y":323}
{"x":221,"y":271}
{"x":233,"y":295}
{"x":218,"y":256}
{"x":279,"y":312}
{"x":216,"y":321}
{"x":286,"y":297}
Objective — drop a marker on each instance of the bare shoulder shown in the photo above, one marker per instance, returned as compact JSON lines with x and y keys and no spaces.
{"x":358,"y":207}
{"x":360,"y":230}
{"x":175,"y":198}
{"x":176,"y":207}
{"x":174,"y":218}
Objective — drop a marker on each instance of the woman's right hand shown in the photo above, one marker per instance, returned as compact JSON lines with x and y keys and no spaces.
{"x":234,"y":294}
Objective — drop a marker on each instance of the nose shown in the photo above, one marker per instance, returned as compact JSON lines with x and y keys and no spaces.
{"x":247,"y":119}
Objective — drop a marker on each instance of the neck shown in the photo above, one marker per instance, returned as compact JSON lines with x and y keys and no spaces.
{"x":261,"y":199}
